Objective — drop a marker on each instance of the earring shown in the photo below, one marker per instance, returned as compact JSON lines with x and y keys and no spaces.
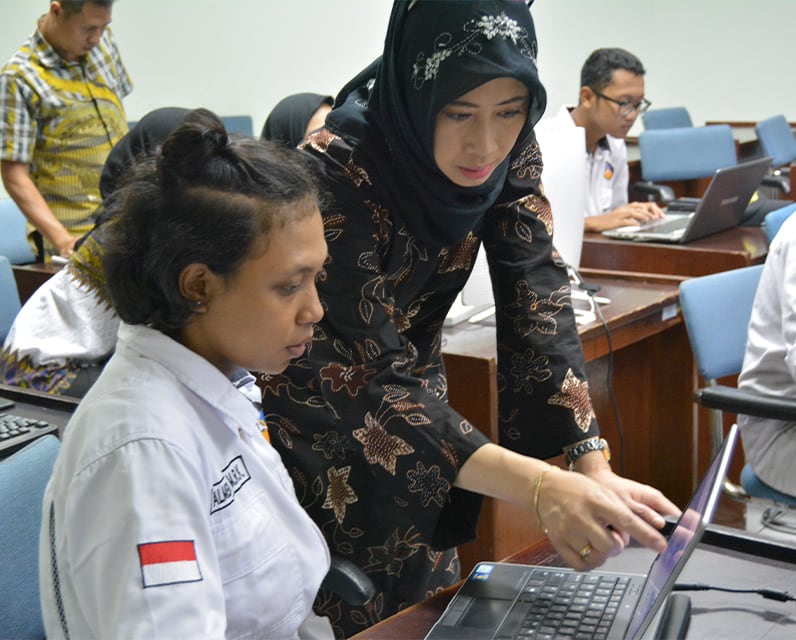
{"x":198,"y":303}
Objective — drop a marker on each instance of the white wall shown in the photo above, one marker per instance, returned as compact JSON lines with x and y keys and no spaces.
{"x":723,"y":59}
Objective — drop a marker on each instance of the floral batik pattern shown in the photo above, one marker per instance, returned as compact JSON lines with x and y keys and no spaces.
{"x":362,"y":420}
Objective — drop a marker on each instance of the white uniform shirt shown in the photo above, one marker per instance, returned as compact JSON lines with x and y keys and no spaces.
{"x":770,"y":363}
{"x":172,"y":517}
{"x":606,"y":170}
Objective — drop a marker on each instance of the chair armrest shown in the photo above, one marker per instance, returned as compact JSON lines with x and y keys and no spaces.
{"x":782,"y":183}
{"x":661,"y":193}
{"x":752,"y":404}
{"x":348,"y":581}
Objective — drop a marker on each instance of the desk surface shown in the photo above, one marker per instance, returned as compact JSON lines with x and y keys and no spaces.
{"x":731,"y":249}
{"x":713,"y":614}
{"x":633,"y":297}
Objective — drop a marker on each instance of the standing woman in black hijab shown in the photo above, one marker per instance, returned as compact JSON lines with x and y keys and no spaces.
{"x":429,"y":154}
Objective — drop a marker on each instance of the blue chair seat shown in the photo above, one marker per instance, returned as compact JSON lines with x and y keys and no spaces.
{"x":23,"y":477}
{"x":754,"y":486}
{"x":14,"y":243}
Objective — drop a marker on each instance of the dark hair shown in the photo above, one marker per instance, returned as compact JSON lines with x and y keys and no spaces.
{"x":598,"y":70}
{"x":73,"y":7}
{"x":205,"y":198}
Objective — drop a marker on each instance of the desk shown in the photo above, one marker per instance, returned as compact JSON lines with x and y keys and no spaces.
{"x":654,"y":401}
{"x":34,"y":404}
{"x":30,"y":277}
{"x":719,"y":615}
{"x":731,"y":249}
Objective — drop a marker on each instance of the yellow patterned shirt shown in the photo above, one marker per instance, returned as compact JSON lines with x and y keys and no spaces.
{"x":63,"y":118}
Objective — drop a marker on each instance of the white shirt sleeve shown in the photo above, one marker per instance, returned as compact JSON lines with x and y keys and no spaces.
{"x":120,"y":487}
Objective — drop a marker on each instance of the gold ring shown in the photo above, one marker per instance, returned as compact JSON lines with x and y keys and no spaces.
{"x":585,"y":551}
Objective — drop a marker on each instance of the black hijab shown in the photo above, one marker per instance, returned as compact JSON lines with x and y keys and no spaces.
{"x":435,"y":52}
{"x":288,"y":120}
{"x":143,"y":138}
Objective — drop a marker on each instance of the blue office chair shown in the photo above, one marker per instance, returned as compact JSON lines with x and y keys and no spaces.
{"x":23,"y":477}
{"x":13,"y":236}
{"x":669,"y":118}
{"x":777,"y":140}
{"x":774,"y":219}
{"x":238,"y":124}
{"x":9,"y":298}
{"x":686,"y":153}
{"x":716,"y":309}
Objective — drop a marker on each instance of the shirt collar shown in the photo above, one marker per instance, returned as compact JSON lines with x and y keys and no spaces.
{"x":193,"y":371}
{"x":45,"y":52}
{"x":603,"y":143}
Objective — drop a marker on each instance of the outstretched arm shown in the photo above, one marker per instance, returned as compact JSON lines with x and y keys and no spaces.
{"x":586,"y":521}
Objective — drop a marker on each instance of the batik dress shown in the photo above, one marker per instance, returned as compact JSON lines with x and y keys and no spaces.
{"x":362,"y":420}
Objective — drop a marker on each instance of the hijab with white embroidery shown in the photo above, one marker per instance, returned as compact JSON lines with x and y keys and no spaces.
{"x":436,"y":52}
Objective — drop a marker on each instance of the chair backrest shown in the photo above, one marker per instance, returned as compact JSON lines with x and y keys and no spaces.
{"x":686,"y":153}
{"x":774,"y":219}
{"x":9,"y":297}
{"x":777,"y":140}
{"x":23,"y":477}
{"x":238,"y":124}
{"x":716,"y":310}
{"x":13,"y":236}
{"x":669,"y":118}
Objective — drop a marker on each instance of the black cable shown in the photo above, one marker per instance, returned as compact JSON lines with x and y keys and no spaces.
{"x":591,"y":290}
{"x":768,"y":594}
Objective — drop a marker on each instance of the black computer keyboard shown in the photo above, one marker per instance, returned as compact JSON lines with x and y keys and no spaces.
{"x":17,"y":431}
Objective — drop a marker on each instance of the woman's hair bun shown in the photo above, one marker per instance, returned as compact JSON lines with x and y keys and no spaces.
{"x":201,"y":138}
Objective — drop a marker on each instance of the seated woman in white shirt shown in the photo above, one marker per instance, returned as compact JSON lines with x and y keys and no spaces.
{"x":769,"y":368}
{"x":169,"y":514}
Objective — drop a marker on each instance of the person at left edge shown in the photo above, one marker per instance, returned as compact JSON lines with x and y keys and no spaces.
{"x":60,"y":115}
{"x":168,"y":514}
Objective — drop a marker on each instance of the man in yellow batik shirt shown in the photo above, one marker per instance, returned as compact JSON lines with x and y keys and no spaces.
{"x":60,"y":114}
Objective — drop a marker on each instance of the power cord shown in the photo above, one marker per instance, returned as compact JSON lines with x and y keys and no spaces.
{"x":768,"y":594}
{"x":592,"y":290}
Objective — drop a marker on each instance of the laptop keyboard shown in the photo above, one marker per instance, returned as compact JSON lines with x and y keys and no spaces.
{"x":16,"y":432}
{"x":665,"y":225}
{"x":569,"y":605}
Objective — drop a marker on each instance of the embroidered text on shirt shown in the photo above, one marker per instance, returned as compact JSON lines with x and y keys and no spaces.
{"x":233,"y":477}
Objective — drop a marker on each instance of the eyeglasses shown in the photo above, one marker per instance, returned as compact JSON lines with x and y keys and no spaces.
{"x":626,"y":108}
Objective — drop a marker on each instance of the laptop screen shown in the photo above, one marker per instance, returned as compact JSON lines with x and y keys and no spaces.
{"x":683,"y":539}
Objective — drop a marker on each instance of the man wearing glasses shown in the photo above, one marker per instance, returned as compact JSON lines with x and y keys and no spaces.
{"x":611,"y":98}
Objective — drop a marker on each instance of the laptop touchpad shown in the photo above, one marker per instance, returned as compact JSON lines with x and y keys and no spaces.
{"x":485,"y":613}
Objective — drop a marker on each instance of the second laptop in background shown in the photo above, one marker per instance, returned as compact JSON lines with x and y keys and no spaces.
{"x":721,"y":207}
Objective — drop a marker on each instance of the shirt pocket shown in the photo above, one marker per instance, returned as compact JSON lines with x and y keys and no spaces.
{"x":259,"y":569}
{"x":606,"y":192}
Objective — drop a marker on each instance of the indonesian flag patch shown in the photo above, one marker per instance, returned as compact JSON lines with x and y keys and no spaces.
{"x":168,"y":562}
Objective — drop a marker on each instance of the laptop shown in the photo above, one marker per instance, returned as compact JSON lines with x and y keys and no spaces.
{"x":721,"y":207}
{"x":503,"y":600}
